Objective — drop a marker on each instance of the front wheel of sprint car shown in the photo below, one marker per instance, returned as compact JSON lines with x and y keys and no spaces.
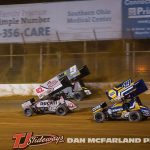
{"x":99,"y":117}
{"x":28,"y":112}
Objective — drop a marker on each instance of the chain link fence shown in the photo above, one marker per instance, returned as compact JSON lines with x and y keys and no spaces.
{"x":104,"y":66}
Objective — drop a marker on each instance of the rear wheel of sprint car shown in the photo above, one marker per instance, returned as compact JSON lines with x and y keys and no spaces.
{"x":135,"y":116}
{"x":79,"y":95}
{"x":99,"y":117}
{"x":61,"y":110}
{"x":28,"y":112}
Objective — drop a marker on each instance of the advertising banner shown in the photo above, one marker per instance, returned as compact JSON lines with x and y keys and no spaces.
{"x":136,"y":19}
{"x":65,"y":21}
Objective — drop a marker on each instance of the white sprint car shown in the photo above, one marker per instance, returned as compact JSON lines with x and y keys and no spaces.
{"x":59,"y":106}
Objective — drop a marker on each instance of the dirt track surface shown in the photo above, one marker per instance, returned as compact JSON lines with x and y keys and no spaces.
{"x":78,"y":124}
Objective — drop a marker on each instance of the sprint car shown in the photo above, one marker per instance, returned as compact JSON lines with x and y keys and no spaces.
{"x":51,"y":99}
{"x":58,"y":105}
{"x":127,"y":104}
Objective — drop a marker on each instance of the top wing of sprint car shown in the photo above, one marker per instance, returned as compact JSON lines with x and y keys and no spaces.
{"x":127,"y":89}
{"x":61,"y":81}
{"x":74,"y":74}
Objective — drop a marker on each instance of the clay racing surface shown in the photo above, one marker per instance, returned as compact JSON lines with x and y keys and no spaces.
{"x":78,"y":124}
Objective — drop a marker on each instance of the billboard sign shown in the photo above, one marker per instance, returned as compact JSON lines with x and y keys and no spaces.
{"x":61,"y":21}
{"x":136,"y":19}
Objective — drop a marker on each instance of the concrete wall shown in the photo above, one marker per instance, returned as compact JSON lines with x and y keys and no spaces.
{"x":28,"y":89}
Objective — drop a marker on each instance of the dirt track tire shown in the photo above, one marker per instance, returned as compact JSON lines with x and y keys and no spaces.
{"x":28,"y":112}
{"x":79,"y":96}
{"x":135,"y":116}
{"x":61,"y":110}
{"x":99,"y":117}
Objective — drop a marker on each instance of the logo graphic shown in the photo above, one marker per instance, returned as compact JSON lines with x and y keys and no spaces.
{"x":112,"y":93}
{"x":39,"y":90}
{"x":132,"y":11}
{"x":23,"y":140}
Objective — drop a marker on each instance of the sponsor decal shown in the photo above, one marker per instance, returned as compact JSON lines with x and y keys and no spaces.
{"x":23,"y":140}
{"x":39,"y":90}
{"x":112,"y":93}
{"x":52,"y":83}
